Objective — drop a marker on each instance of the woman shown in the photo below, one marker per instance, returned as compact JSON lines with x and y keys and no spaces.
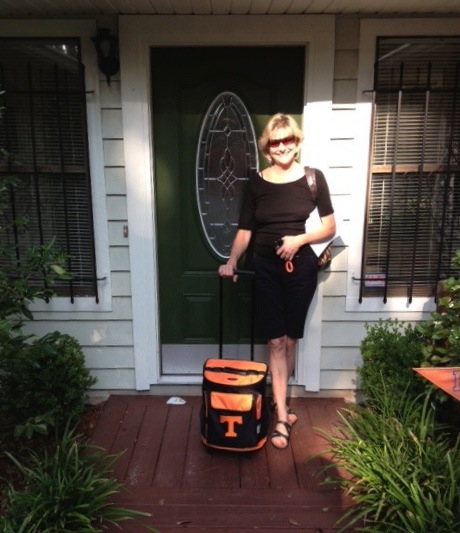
{"x":276,"y":204}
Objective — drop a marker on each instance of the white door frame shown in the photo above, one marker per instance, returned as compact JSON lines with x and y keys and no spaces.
{"x":137,"y":35}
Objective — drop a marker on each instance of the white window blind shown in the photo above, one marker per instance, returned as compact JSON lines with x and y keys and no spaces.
{"x":44,"y":131}
{"x":413,"y":213}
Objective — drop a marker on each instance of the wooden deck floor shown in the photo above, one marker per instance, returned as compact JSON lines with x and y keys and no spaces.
{"x":169,"y":473}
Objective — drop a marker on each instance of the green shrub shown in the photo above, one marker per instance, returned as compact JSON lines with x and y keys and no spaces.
{"x":19,"y":285}
{"x":42,"y":380}
{"x":441,"y":334}
{"x":404,"y":473}
{"x":68,"y":490}
{"x":389,"y":351}
{"x":45,"y":376}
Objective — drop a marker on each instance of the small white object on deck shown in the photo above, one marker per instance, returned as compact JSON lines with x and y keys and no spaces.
{"x":175,"y":400}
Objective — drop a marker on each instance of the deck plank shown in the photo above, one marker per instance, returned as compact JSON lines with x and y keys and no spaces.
{"x":127,"y":435}
{"x":254,"y":470}
{"x":225,"y":470}
{"x":198,"y":463}
{"x":106,"y":430}
{"x":303,"y":448}
{"x":236,"y":509}
{"x":148,"y":445}
{"x":168,"y":472}
{"x":170,"y":467}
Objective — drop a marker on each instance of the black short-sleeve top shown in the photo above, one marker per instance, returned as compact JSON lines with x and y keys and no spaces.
{"x":273,"y":210}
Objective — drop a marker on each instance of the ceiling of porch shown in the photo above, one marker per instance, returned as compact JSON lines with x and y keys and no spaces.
{"x":68,"y":8}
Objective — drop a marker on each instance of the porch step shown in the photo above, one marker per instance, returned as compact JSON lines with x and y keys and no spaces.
{"x":224,"y":510}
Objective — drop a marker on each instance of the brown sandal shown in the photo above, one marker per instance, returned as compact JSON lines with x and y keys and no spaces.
{"x":286,"y":436}
{"x":292,"y":417}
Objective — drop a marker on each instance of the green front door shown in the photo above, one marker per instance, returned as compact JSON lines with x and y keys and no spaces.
{"x":185,"y":81}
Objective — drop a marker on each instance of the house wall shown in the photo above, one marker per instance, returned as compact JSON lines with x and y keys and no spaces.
{"x":340,"y":338}
{"x":107,"y":336}
{"x":112,"y":362}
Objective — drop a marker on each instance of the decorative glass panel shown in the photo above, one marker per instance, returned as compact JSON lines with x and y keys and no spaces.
{"x":227,"y":155}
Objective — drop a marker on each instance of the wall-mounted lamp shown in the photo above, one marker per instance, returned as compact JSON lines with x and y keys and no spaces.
{"x":107,"y":52}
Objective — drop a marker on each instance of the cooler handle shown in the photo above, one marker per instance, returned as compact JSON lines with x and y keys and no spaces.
{"x":238,"y":272}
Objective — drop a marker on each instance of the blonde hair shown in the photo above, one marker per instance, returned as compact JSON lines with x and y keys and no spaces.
{"x":280,"y":120}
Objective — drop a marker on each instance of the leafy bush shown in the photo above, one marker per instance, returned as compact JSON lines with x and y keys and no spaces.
{"x":404,"y":473}
{"x":403,"y":464}
{"x":43,"y":381}
{"x":18,"y":280}
{"x":441,"y":334}
{"x":47,"y":375}
{"x":67,"y":490}
{"x":389,"y":351}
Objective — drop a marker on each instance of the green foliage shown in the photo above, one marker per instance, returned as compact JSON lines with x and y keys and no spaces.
{"x":404,"y":474}
{"x":31,"y":278}
{"x":45,"y":378}
{"x":68,"y":490}
{"x":441,"y":334}
{"x":43,"y":381}
{"x":403,"y":465}
{"x":389,"y":351}
{"x":17,"y":287}
{"x":35,"y":425}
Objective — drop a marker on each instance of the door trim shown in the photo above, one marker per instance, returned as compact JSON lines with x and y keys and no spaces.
{"x":137,"y":35}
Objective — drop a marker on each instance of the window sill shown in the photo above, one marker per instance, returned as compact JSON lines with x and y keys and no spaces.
{"x":399,"y":305}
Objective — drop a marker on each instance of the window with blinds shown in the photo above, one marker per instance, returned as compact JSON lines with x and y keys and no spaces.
{"x":413,"y":212}
{"x":44,"y":132}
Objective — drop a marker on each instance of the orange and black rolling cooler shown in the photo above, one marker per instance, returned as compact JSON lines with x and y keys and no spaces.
{"x":234,"y":412}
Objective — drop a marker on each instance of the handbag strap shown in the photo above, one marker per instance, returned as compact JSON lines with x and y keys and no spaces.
{"x":310,"y":174}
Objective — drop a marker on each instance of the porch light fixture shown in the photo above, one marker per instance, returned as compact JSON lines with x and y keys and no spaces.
{"x":107,"y":52}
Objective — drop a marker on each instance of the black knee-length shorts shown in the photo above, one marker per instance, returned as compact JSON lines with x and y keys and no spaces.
{"x":283,"y":298}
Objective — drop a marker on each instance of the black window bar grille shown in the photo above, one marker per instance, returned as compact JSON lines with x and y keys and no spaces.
{"x":412,"y":227}
{"x":44,"y":132}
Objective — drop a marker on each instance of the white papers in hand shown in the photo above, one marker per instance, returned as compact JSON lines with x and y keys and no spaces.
{"x":312,"y":224}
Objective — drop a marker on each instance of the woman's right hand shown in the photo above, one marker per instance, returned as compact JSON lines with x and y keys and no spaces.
{"x":240,"y":243}
{"x":227,"y":271}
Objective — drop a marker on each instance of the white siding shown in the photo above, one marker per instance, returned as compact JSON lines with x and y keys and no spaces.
{"x":89,"y":333}
{"x":340,"y":334}
{"x":111,"y":359}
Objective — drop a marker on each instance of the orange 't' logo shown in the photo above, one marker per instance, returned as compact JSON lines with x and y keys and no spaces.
{"x":231,"y":421}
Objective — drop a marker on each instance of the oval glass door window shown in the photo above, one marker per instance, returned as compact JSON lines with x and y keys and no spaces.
{"x":226,"y":157}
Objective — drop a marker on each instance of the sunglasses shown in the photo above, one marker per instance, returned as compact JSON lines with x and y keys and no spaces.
{"x":274,"y":143}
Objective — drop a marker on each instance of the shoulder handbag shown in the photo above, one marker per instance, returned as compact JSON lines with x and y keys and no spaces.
{"x":325,"y":258}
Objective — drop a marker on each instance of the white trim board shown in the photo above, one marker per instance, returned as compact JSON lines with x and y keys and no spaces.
{"x":137,"y":35}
